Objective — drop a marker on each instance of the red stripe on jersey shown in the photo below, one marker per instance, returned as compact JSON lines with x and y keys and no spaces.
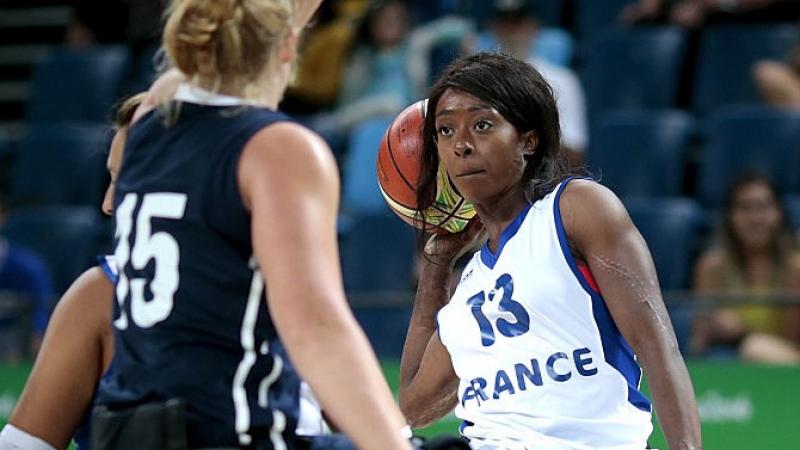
{"x":587,"y":274}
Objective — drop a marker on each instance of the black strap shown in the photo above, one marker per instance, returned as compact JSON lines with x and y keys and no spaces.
{"x":152,"y":426}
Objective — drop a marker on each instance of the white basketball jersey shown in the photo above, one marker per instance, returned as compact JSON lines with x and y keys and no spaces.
{"x":542,"y":364}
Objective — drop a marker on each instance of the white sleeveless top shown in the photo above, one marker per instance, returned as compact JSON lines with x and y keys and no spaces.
{"x":540,"y":361}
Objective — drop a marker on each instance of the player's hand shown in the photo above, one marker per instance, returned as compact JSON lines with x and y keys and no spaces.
{"x":445,"y":249}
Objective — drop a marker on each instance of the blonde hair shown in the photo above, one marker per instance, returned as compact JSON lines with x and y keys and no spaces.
{"x":226,"y":45}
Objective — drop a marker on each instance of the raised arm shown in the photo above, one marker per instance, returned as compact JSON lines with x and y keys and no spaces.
{"x":602,"y":235}
{"x":288,"y":180}
{"x":428,"y":383}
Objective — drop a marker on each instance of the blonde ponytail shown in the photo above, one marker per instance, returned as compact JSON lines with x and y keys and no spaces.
{"x":226,"y":45}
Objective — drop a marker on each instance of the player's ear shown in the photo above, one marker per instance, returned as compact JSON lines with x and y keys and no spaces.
{"x":530,"y":142}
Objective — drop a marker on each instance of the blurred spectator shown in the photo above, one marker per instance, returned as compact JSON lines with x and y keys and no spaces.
{"x":515,"y":29}
{"x":519,"y":24}
{"x":387,"y":68}
{"x":24,"y":274}
{"x":323,"y":56}
{"x":755,"y":258}
{"x":695,"y":13}
{"x":778,"y":82}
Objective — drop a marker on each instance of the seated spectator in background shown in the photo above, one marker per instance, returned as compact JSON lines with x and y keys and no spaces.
{"x":517,"y":20}
{"x":388,"y":67}
{"x":778,"y":82}
{"x":515,"y":30}
{"x":24,"y":274}
{"x":755,"y":257}
{"x":324,"y":53}
{"x":692,"y":14}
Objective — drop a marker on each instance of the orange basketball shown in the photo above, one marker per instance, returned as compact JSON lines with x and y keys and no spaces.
{"x":398,"y":166}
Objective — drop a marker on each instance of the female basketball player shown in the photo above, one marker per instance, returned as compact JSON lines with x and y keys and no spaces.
{"x":78,"y":344}
{"x":218,"y":198}
{"x":539,"y":346}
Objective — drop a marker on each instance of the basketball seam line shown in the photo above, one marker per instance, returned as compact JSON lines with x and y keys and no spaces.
{"x":391,"y":155}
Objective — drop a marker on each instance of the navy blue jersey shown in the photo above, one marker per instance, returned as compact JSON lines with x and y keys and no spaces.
{"x":191,"y":318}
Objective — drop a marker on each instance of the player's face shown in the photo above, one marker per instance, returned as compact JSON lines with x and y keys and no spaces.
{"x":112,"y":164}
{"x":482,"y":151}
{"x":755,"y":215}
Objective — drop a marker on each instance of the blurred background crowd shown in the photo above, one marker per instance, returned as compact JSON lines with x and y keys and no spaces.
{"x":688,"y":109}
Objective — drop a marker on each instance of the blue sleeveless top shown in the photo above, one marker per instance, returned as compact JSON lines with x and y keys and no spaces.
{"x":191,"y":319}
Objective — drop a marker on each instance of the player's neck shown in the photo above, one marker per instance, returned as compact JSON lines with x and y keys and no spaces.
{"x":498,"y":214}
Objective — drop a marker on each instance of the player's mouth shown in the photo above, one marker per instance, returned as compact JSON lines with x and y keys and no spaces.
{"x":470,"y":173}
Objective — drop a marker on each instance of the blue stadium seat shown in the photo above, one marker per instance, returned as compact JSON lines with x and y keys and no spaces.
{"x":633,"y":68}
{"x":61,"y":164}
{"x":641,"y":154}
{"x":361,"y":194}
{"x":65,"y":237}
{"x":671,"y":228}
{"x":6,"y":161}
{"x":378,"y":255}
{"x":385,"y":321}
{"x":746,"y":139}
{"x":727,"y":55}
{"x":592,"y":16}
{"x":440,"y":56}
{"x":77,"y":86}
{"x":426,"y":10}
{"x":145,"y":68}
{"x":5,"y":146}
{"x":792,"y":205}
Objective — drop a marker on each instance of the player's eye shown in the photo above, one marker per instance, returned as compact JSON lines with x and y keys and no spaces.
{"x":445,"y":131}
{"x":483,"y":125}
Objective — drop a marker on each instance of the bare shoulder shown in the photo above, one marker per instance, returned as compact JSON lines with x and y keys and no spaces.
{"x":582,"y":193}
{"x":289,"y":159}
{"x":589,"y":207}
{"x":289,"y":143}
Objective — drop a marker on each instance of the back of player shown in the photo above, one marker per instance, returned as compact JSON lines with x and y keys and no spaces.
{"x":216,"y":191}
{"x":188,"y":290}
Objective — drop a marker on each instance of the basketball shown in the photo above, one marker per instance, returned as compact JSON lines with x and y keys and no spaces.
{"x":398,"y":166}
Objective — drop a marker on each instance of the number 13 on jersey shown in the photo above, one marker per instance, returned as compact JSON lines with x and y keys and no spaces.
{"x":507,"y":328}
{"x":136,"y":253}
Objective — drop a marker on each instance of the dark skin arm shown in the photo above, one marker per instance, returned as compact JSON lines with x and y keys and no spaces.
{"x":602,"y":235}
{"x":428,"y":383}
{"x":77,"y":349}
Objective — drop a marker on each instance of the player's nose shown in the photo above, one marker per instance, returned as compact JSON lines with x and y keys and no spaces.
{"x":463,"y":145}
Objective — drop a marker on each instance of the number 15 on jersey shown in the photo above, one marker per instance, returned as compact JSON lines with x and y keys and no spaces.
{"x":135,"y":253}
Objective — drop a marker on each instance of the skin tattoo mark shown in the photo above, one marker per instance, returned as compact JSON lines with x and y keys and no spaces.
{"x":646,"y":290}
